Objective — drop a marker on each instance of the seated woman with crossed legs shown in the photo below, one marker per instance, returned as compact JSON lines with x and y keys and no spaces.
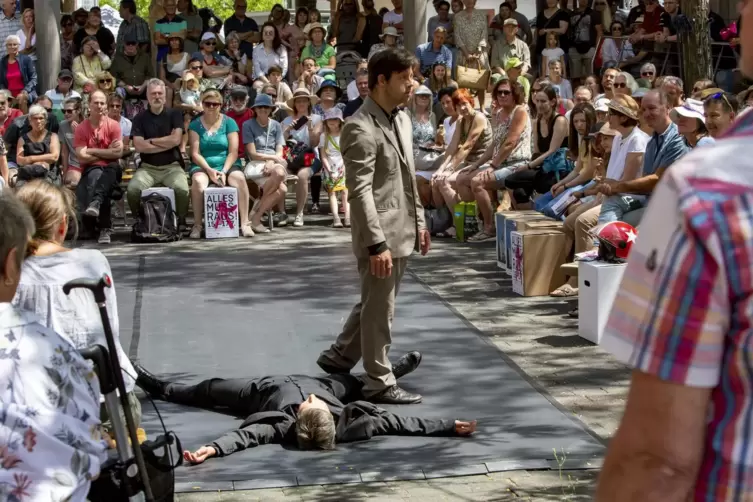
{"x":213,"y":137}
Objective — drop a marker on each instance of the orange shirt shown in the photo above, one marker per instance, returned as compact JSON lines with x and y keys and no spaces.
{"x":102,"y":137}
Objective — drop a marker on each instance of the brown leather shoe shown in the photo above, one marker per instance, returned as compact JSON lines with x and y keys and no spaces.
{"x":395,"y":395}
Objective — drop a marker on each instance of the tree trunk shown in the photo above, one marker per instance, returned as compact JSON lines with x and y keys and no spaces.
{"x":48,"y":37}
{"x":695,"y":45}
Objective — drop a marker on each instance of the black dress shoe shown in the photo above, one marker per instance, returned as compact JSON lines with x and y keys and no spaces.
{"x":406,"y":364}
{"x":395,"y":395}
{"x":149,"y":383}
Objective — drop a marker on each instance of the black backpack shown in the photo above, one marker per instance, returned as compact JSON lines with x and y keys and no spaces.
{"x":157,"y":221}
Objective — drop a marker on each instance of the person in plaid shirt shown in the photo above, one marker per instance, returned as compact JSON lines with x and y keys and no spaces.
{"x":683,"y":319}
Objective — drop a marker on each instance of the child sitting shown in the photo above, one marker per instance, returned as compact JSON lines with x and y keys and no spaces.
{"x":333,"y":165}
{"x":274,"y":75}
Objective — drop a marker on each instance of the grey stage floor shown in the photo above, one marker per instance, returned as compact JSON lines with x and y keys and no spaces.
{"x":193,"y":315}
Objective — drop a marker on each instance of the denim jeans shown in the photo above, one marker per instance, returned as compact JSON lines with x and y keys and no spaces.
{"x":615,"y":206}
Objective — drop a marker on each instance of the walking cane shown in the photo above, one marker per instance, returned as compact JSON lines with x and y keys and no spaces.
{"x":125,"y":452}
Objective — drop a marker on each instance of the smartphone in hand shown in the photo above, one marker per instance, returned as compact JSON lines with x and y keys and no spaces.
{"x":300,"y":122}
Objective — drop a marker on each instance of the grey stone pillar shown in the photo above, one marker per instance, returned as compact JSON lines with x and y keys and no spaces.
{"x":415,"y":17}
{"x":47,"y":27}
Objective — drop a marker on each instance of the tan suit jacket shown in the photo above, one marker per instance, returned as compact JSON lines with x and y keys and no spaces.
{"x":381,"y":181}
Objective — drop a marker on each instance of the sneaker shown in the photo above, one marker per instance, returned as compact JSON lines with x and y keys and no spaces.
{"x":195,"y":232}
{"x":315,"y":209}
{"x":298,"y":221}
{"x":93,"y":209}
{"x":280,"y":219}
{"x":104,"y":236}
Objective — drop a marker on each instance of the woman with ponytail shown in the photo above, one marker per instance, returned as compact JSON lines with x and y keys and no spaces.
{"x":50,"y":265}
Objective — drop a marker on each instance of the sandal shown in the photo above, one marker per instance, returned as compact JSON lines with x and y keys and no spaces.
{"x":481,"y":237}
{"x":259,"y":229}
{"x":564,"y":291}
{"x":195,"y":232}
{"x":247,"y":231}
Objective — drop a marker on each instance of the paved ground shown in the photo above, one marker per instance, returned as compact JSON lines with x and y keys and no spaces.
{"x":534,"y":332}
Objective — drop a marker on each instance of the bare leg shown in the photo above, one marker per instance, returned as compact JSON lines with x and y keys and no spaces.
{"x":274,"y":189}
{"x":483,"y":186}
{"x":71,"y":179}
{"x":346,"y":205}
{"x":199,"y":184}
{"x":238,"y":181}
{"x":333,"y":209}
{"x":424,"y":190}
{"x":302,"y":190}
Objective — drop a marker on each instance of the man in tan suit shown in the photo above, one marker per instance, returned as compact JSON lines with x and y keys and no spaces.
{"x":387,"y":223}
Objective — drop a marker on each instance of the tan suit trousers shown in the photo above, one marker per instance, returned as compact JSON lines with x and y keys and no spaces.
{"x":367,"y":333}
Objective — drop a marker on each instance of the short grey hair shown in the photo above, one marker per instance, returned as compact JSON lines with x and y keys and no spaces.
{"x":155,"y":82}
{"x":672,"y":80}
{"x":648,"y":67}
{"x":5,"y":93}
{"x":12,"y":38}
{"x":16,"y":228}
{"x":661,"y":95}
{"x":232,"y":36}
{"x":37,"y":110}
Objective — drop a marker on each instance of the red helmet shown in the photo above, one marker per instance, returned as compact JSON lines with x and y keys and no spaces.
{"x":615,"y":240}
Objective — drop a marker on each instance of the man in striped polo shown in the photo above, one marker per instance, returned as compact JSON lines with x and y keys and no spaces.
{"x":683,"y":319}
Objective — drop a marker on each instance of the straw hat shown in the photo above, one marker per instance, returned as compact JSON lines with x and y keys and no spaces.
{"x":624,"y":110}
{"x":314,"y":26}
{"x":391,"y":31}
{"x":300,"y":93}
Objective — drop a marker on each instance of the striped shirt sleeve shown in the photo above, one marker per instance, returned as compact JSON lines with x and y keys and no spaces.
{"x":671,"y":314}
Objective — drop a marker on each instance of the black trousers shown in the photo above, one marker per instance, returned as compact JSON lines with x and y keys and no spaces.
{"x":316,"y":189}
{"x":98,"y":184}
{"x":240,"y":395}
{"x":524,"y":182}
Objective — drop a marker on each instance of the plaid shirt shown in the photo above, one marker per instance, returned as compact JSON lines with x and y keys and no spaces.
{"x":138,"y":27}
{"x":8,"y":26}
{"x":684,"y":310}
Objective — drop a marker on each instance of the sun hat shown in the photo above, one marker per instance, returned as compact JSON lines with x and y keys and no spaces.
{"x":208,"y":36}
{"x":333,"y":114}
{"x":263,"y":100}
{"x":329,"y":84}
{"x":497,"y":78}
{"x":314,"y":26}
{"x":391,"y":31}
{"x":512,"y":63}
{"x":603,"y":129}
{"x":640,"y":92}
{"x":615,"y":105}
{"x":300,"y":93}
{"x":422,"y":91}
{"x":692,"y":108}
{"x":510,"y":20}
{"x":600,"y":105}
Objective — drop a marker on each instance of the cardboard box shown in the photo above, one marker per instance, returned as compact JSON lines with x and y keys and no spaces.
{"x":536,"y":257}
{"x":511,"y":225}
{"x":221,"y":212}
{"x":465,"y":218}
{"x":537,"y":224}
{"x":499,"y":225}
{"x":598,"y":283}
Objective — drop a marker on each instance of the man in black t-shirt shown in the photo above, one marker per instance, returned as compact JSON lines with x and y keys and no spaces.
{"x":584,"y":31}
{"x":246,"y":28}
{"x":157,"y":134}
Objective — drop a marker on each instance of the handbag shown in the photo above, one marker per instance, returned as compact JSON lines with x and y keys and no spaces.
{"x":558,"y":163}
{"x":298,"y":155}
{"x":473,"y":78}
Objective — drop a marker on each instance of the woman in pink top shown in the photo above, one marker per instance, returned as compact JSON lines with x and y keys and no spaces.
{"x":18,"y":74}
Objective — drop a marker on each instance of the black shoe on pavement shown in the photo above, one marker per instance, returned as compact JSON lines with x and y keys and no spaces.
{"x":406,"y":364}
{"x":149,"y":382}
{"x":395,"y":395}
{"x":329,"y":368}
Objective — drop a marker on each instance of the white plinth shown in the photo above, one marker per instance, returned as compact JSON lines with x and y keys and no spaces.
{"x":598,"y":283}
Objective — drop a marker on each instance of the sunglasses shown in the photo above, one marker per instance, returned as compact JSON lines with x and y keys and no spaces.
{"x":211,"y":104}
{"x":271,"y":95}
{"x":620,"y":85}
{"x":264,"y":108}
{"x":647,"y":74}
{"x":48,"y":110}
{"x":504,"y":92}
{"x":68,"y":112}
{"x":211,"y":44}
{"x":131,"y":43}
{"x":116,"y":106}
{"x":722,"y":96}
{"x":197,"y":67}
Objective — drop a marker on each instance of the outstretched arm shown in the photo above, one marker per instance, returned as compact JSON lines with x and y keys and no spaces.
{"x":237,"y":440}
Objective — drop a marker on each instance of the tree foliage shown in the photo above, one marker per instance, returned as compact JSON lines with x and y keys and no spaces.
{"x":222,"y":8}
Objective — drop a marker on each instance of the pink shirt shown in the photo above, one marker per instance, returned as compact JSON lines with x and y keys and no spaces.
{"x":15,"y":81}
{"x":102,"y":137}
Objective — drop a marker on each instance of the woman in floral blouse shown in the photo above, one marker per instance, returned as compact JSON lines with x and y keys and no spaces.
{"x":50,"y":439}
{"x":470,"y":28}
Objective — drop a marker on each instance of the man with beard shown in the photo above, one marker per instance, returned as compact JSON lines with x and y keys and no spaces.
{"x":157,"y":133}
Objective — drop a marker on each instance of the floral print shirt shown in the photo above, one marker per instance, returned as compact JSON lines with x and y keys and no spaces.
{"x":50,"y":440}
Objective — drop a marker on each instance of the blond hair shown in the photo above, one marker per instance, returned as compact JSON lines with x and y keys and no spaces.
{"x":315,"y":429}
{"x":211,"y":92}
{"x":49,"y":206}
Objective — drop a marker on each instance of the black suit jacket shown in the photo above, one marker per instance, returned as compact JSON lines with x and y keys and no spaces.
{"x":273,"y":408}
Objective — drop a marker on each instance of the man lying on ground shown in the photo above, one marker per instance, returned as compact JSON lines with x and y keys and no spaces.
{"x":312,"y":412}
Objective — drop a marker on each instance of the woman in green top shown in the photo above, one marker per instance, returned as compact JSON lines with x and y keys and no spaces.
{"x":214,"y":159}
{"x":322,"y":52}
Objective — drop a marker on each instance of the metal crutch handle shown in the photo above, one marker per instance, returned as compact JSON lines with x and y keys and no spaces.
{"x":97,"y":287}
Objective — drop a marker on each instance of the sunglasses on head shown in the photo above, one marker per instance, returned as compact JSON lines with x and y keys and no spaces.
{"x":722,"y":96}
{"x":211,"y":104}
